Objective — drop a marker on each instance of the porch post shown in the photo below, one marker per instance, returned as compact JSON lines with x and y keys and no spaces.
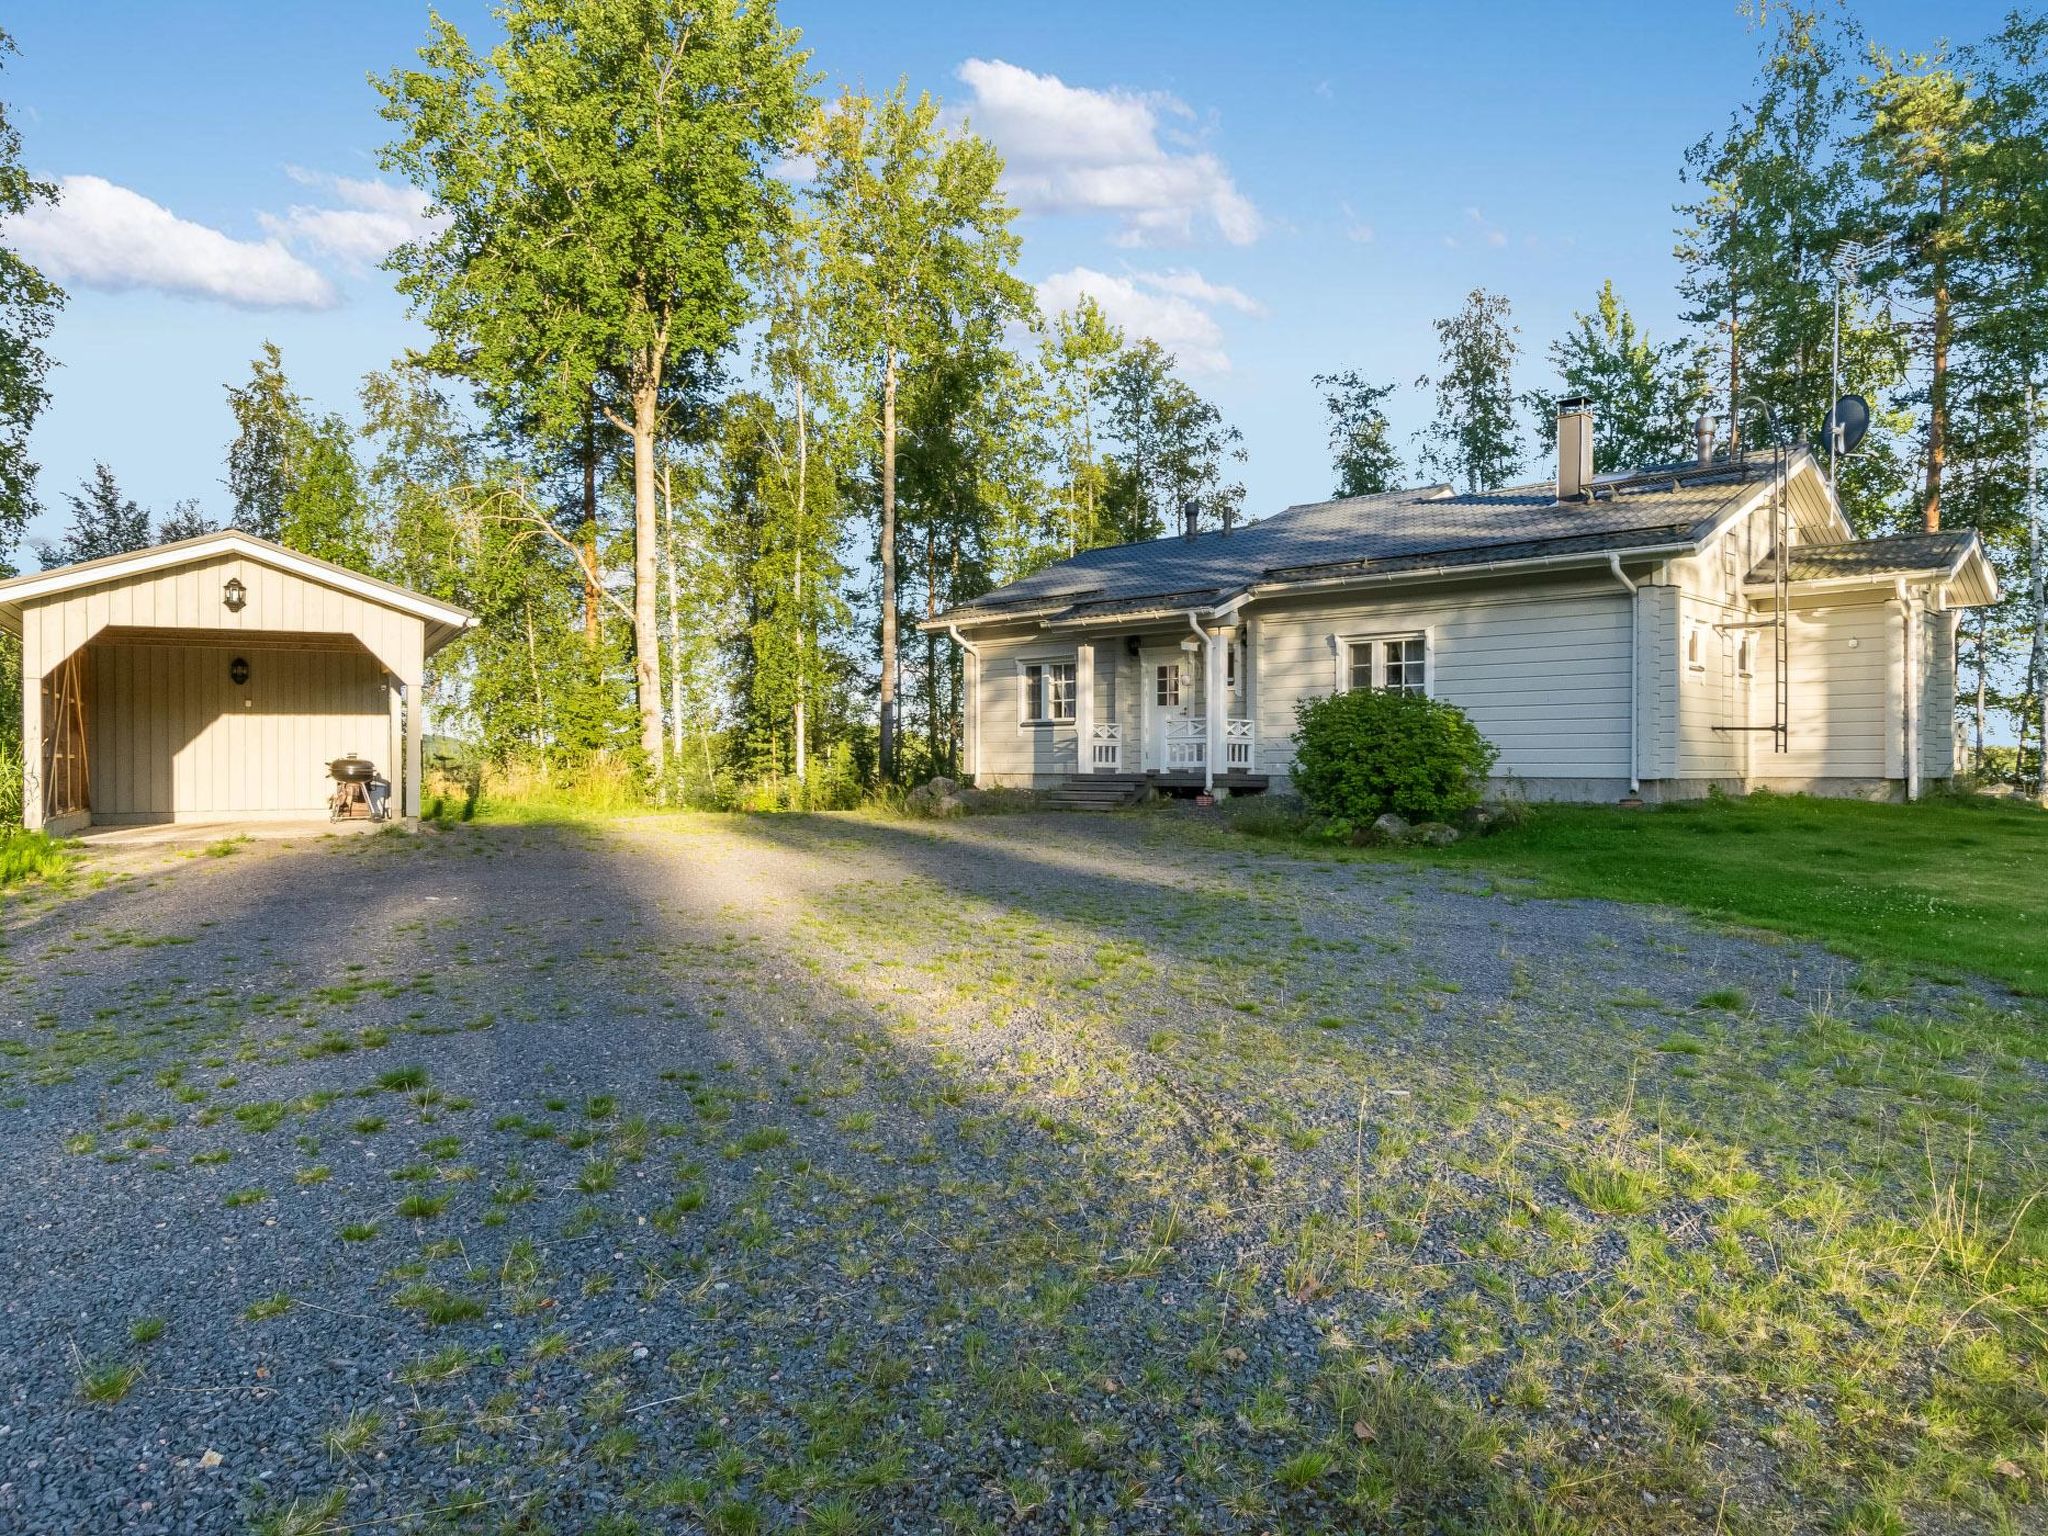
{"x":394,"y":738}
{"x":415,"y":736}
{"x":1084,"y":707}
{"x":1216,"y":704}
{"x":31,"y":745}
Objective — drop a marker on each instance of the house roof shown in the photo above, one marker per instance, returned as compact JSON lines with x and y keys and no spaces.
{"x":1899,"y":554}
{"x":444,"y":620}
{"x":1425,"y":529}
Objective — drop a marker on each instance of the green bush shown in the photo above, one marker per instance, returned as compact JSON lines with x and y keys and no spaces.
{"x":1361,"y":754}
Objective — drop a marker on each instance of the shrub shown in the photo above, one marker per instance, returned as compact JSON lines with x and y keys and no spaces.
{"x":1361,"y":754}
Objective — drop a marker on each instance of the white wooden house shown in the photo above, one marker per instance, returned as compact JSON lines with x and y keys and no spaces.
{"x":214,"y":679}
{"x":1612,"y":635}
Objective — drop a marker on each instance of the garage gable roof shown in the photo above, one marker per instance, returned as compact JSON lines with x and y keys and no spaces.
{"x":444,"y":620}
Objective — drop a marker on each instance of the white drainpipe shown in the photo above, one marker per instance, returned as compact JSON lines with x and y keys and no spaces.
{"x":1912,"y":701}
{"x":970,"y":724}
{"x":1208,"y":701}
{"x":1635,"y":625}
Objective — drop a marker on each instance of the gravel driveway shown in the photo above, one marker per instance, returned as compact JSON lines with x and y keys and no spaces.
{"x":839,"y":1174}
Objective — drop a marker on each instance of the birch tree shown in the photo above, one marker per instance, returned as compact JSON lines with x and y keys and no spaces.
{"x":915,"y":233}
{"x":1473,"y":440}
{"x":603,"y":181}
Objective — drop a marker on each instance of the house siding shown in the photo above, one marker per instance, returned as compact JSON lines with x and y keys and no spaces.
{"x":1544,"y":674}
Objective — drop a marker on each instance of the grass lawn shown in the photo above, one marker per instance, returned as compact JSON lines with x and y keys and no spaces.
{"x":1944,"y":886}
{"x":29,"y":856}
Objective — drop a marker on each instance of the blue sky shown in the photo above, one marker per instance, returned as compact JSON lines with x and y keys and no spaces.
{"x":1272,"y":191}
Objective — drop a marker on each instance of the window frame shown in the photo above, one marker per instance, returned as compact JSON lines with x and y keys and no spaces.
{"x":1045,"y":685}
{"x":1348,"y":644}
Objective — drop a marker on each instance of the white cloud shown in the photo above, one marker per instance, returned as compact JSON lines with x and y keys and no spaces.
{"x":99,"y":235}
{"x":374,"y":218}
{"x":1074,"y":150}
{"x":1484,"y":230}
{"x":1174,"y":308}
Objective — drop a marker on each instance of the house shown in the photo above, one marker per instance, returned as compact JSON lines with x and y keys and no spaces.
{"x":214,"y":679}
{"x":1654,"y":634}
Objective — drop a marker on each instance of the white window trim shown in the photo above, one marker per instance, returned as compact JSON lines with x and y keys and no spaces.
{"x":1427,"y":635}
{"x":1028,"y":722}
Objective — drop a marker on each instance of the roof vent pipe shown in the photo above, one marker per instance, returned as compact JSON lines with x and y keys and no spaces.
{"x":1703,"y":440}
{"x":1574,"y":448}
{"x":1190,"y":517}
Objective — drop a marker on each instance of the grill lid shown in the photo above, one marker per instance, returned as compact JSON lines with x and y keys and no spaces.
{"x":352,"y":770}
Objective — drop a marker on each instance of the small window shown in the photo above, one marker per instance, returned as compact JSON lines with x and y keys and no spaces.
{"x":1695,"y":654}
{"x":1048,"y":692}
{"x":1742,"y":657}
{"x":1399,"y":664}
{"x":1230,"y":666}
{"x":1166,"y":685}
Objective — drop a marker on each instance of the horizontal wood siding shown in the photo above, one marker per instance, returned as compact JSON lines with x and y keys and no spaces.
{"x":1544,"y":676}
{"x":1009,"y":750}
{"x":173,"y":736}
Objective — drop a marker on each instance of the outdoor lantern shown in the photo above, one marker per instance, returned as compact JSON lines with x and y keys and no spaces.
{"x":234,"y":594}
{"x":238,"y":671}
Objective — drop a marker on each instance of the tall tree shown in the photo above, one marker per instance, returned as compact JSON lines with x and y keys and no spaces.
{"x":1920,"y":134}
{"x":1079,"y":357}
{"x":186,"y":520}
{"x":605,"y":181}
{"x":1645,"y":394}
{"x":1172,"y":449}
{"x":268,"y":420}
{"x":103,"y":522}
{"x":916,"y":235}
{"x":325,"y":512}
{"x":1362,"y":452}
{"x":1473,"y":440}
{"x":28,"y":307}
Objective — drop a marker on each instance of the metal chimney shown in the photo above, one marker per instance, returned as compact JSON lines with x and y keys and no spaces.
{"x":1703,"y":440}
{"x":1574,"y":448}
{"x":1190,"y":517}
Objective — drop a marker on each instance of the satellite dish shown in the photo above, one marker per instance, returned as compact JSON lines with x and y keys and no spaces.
{"x":1847,"y":423}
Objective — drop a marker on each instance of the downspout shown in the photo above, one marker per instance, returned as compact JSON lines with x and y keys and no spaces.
{"x":1208,"y":654}
{"x":1635,"y":625}
{"x":1912,"y":700}
{"x":970,"y":725}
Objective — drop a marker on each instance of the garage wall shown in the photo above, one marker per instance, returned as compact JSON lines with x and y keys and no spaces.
{"x":173,"y":737}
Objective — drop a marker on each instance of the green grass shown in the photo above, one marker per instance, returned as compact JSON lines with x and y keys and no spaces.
{"x":1947,"y":885}
{"x":26,"y":856}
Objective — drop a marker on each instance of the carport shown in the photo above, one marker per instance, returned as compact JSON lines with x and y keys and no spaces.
{"x":213,"y":680}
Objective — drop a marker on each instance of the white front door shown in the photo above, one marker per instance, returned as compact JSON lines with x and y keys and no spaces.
{"x":1169,"y":684}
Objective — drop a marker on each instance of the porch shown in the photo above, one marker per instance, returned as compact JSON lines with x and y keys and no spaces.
{"x":1175,"y":709}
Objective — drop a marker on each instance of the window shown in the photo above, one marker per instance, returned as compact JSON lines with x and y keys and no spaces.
{"x":1399,"y":664}
{"x":1695,"y":652}
{"x":1166,"y":684}
{"x":1048,"y":692}
{"x":1230,"y":666}
{"x":1742,"y":657}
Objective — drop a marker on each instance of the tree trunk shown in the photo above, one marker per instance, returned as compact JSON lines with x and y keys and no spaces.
{"x":887,"y":557}
{"x":675,"y":617}
{"x":1937,"y":389}
{"x":646,"y":616}
{"x":593,"y":622}
{"x":803,"y":485}
{"x":1734,"y":344}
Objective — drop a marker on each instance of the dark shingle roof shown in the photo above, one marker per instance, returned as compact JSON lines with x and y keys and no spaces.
{"x":1900,"y":554}
{"x":1396,"y":531}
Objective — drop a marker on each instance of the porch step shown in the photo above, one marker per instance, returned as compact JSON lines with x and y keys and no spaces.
{"x":1095,"y":792}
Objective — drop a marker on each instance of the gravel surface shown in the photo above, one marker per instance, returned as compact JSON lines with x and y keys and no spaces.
{"x":828,"y":1173}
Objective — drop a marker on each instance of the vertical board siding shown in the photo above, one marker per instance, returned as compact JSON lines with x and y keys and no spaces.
{"x":173,"y":736}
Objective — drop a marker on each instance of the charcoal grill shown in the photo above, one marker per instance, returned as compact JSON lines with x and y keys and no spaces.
{"x":360,"y":793}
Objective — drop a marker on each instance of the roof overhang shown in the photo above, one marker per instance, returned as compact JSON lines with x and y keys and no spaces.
{"x":443,"y":621}
{"x":1969,"y":581}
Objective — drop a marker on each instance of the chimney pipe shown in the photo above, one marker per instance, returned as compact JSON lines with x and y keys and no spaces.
{"x":1574,"y":448}
{"x":1703,"y":440}
{"x":1190,"y":517}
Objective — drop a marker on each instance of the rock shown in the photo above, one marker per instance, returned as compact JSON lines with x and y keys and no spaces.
{"x":941,"y":787}
{"x":1391,"y":828}
{"x":952,"y":804}
{"x":1435,"y":834}
{"x":1480,"y":820}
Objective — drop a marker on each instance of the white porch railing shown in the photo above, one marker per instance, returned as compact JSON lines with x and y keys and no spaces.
{"x":1238,"y":741}
{"x":1106,"y":749}
{"x":1187,"y":744}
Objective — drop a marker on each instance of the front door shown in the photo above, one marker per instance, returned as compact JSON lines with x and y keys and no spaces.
{"x":1169,"y":684}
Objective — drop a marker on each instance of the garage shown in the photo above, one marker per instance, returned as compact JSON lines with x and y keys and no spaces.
{"x":214,"y":680}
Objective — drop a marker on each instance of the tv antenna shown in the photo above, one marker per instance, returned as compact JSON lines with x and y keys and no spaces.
{"x":1847,"y":263}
